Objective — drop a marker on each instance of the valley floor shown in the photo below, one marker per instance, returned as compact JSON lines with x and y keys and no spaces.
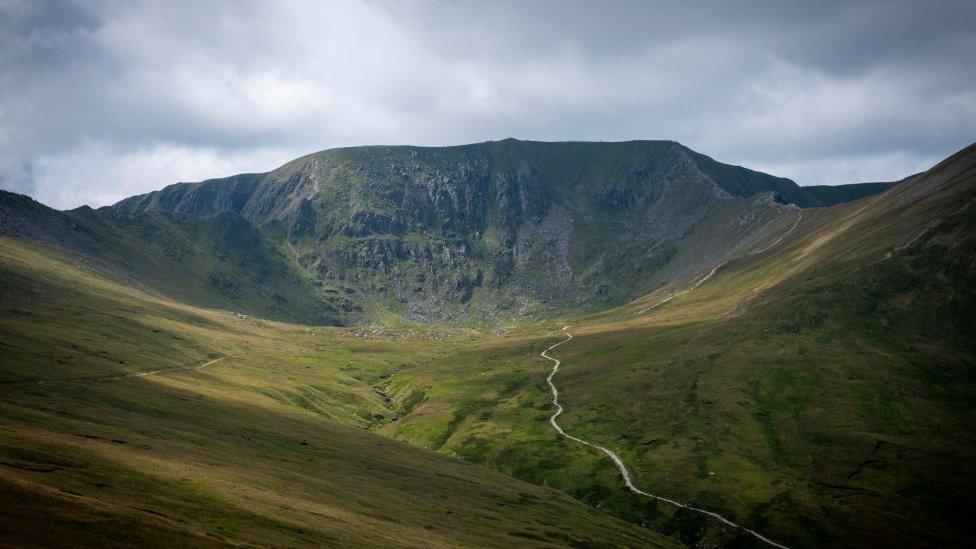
{"x":130,"y":420}
{"x":818,"y":391}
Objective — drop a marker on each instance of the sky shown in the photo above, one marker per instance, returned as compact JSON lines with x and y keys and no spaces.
{"x":103,"y":100}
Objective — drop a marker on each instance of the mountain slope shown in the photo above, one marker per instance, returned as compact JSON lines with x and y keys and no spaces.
{"x":807,"y":373}
{"x":221,"y":261}
{"x":500,"y":229}
{"x":819,"y":391}
{"x":476,"y":233}
{"x":831,"y":195}
{"x":132,"y":420}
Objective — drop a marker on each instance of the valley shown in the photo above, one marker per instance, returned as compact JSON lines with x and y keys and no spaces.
{"x":759,"y":365}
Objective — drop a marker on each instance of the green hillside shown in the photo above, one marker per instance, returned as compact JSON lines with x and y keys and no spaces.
{"x":220,"y":262}
{"x":118,"y":429}
{"x":821,"y":392}
{"x":805,"y":372}
{"x":830,"y":195}
{"x":477,"y":234}
{"x":497,"y":231}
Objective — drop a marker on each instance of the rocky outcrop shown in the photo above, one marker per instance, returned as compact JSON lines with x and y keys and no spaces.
{"x":495,"y":229}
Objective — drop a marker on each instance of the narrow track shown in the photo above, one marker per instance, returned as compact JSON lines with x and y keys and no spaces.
{"x":619,"y":462}
{"x":702,"y":280}
{"x":115,"y":377}
{"x":624,"y":472}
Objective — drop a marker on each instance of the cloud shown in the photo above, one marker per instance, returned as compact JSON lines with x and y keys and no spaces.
{"x":95,"y":173}
{"x":103,"y":100}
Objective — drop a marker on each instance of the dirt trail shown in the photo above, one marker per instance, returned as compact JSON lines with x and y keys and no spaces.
{"x":117,"y":377}
{"x":925,"y":230}
{"x":624,"y":472}
{"x":715,"y":269}
{"x":619,"y":462}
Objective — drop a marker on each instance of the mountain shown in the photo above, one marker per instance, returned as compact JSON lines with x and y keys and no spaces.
{"x":818,"y":390}
{"x":129,"y":420}
{"x":830,"y":195}
{"x":483,"y":232}
{"x":805,"y":372}
{"x":221,"y":261}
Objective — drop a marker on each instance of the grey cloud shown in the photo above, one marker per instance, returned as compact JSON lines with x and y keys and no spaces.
{"x":104,"y":99}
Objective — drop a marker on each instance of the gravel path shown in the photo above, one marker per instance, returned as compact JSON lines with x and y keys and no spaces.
{"x":117,"y":377}
{"x":619,"y":462}
{"x":715,"y":269}
{"x":624,"y":472}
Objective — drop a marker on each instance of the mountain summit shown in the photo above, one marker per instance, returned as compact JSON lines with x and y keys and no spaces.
{"x":494,"y":230}
{"x":774,"y":373}
{"x":483,"y":232}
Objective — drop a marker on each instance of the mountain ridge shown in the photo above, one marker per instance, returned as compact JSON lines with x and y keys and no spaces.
{"x":485,"y":232}
{"x":805,"y":373}
{"x":488,"y":208}
{"x":734,"y":179}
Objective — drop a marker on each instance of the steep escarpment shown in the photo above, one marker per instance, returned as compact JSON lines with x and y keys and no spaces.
{"x":483,"y":232}
{"x":495,"y":230}
{"x":819,"y":392}
{"x":221,"y":261}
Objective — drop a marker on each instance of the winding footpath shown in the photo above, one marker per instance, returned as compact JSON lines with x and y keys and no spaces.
{"x":624,"y":472}
{"x":117,"y":377}
{"x":799,"y":217}
{"x":702,"y":280}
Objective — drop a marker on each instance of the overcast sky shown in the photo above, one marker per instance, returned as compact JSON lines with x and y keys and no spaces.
{"x":102,"y":100}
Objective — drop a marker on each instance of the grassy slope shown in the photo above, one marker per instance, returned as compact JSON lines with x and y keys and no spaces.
{"x":456,"y":233}
{"x":264,"y":447}
{"x":830,"y":195}
{"x":827,"y":388}
{"x":466,"y":233}
{"x":818,"y":392}
{"x":221,"y":261}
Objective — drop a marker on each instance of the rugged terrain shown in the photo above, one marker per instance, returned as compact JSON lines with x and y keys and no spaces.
{"x":799,"y":365}
{"x":821,"y":391}
{"x":120,"y":429}
{"x":477,"y":233}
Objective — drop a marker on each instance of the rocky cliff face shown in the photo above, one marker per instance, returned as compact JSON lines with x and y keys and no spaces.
{"x":498,"y":229}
